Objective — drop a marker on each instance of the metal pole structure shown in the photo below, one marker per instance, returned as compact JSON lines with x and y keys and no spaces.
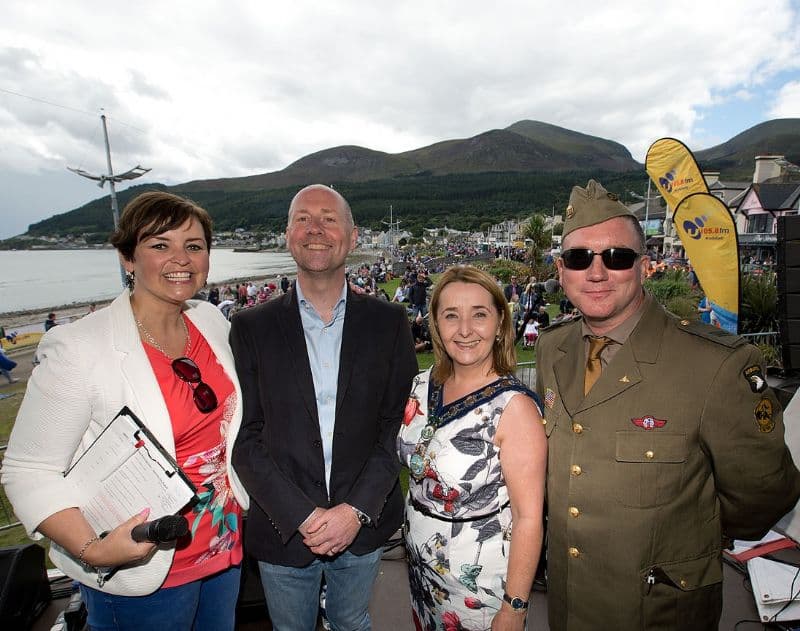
{"x":114,"y":204}
{"x":132,"y":174}
{"x":393,"y":225}
{"x":113,"y":190}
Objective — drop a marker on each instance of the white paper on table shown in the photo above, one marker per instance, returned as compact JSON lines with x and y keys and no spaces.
{"x":774,"y":585}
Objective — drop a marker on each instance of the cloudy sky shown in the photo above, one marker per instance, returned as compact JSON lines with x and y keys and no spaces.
{"x":203,"y":89}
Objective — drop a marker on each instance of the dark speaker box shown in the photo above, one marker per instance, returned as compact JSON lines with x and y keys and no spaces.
{"x":788,"y":228}
{"x":789,"y":254}
{"x":788,"y":285}
{"x":789,"y":281}
{"x":25,"y":588}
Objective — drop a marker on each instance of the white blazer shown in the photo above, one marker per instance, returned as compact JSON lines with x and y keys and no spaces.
{"x":90,"y":369}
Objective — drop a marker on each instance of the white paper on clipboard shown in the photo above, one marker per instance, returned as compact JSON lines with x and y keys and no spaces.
{"x":126,"y":470}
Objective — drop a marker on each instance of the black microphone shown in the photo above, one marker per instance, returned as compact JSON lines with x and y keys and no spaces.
{"x":161,"y":530}
{"x":551,"y":285}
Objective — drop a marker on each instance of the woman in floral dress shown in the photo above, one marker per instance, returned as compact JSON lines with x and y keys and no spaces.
{"x":473,"y":441}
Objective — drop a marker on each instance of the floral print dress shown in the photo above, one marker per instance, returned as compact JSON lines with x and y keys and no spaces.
{"x":458,"y":516}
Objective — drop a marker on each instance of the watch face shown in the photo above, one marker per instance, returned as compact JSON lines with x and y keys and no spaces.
{"x":518,"y":603}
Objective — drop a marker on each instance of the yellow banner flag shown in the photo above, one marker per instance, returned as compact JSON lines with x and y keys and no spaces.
{"x":673,"y":169}
{"x":708,"y":233}
{"x":704,"y":224}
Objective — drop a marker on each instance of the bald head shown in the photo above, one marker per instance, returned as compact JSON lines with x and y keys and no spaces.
{"x":340,"y":203}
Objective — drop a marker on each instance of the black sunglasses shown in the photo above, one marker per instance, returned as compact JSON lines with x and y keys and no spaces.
{"x":613,"y":258}
{"x":204,"y":397}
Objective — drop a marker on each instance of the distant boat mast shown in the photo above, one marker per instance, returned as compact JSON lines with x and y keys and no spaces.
{"x":132,"y":174}
{"x":393,"y":225}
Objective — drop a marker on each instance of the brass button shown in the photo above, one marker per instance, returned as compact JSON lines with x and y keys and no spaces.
{"x":574,"y":553}
{"x":575,"y":470}
{"x":574,"y":511}
{"x":649,"y":454}
{"x":577,"y":428}
{"x":544,"y":421}
{"x":683,"y":583}
{"x":684,"y":322}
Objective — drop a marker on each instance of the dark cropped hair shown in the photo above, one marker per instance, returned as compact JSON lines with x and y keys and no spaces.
{"x":504,"y":356}
{"x":154,"y":213}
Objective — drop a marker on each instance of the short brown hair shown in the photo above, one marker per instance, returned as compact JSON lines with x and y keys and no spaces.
{"x":504,"y":356}
{"x":154,"y":213}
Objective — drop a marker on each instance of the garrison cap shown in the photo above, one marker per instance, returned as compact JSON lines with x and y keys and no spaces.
{"x":592,"y":205}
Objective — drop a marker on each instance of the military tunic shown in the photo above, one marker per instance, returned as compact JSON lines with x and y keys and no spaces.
{"x":677,"y":444}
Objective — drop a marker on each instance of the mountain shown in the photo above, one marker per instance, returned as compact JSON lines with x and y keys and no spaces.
{"x":586,"y":151}
{"x":347,"y":163}
{"x":735,"y":158}
{"x":462,"y":183}
{"x":522,"y":147}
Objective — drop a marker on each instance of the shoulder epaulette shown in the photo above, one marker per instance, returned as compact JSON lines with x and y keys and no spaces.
{"x":711,"y":333}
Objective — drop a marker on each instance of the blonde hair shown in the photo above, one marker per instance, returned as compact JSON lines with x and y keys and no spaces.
{"x":504,"y":356}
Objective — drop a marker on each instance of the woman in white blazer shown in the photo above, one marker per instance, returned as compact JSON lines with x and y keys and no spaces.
{"x":166,"y":357}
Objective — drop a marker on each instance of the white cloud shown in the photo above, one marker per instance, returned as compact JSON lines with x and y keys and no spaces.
{"x":787,"y":102}
{"x":201,"y":89}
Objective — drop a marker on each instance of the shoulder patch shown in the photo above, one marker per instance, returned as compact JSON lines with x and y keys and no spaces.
{"x":711,"y":333}
{"x":755,"y":378}
{"x":764,"y":416}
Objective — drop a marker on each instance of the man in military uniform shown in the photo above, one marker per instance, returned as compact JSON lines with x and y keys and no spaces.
{"x":663,"y":439}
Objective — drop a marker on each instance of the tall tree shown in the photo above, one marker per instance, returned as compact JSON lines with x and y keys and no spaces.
{"x":537,"y":238}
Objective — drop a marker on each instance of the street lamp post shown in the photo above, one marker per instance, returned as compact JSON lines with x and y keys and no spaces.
{"x":646,"y":201}
{"x":132,"y":174}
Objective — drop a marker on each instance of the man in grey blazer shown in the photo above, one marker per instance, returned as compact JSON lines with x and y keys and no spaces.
{"x":325,"y":376}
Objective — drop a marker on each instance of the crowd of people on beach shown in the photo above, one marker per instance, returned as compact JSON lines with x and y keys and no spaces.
{"x":297,"y":402}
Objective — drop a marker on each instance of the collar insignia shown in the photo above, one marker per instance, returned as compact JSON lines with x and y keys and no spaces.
{"x":624,"y":379}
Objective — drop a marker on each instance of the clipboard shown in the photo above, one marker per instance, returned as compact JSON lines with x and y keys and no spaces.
{"x":125,"y":470}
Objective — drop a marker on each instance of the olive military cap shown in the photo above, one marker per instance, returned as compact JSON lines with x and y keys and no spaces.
{"x":592,"y":205}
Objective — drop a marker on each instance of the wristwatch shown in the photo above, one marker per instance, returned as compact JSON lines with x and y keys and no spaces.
{"x":517,"y":604}
{"x":363,"y":518}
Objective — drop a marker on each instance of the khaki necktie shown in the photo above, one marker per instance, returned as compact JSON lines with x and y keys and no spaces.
{"x":593,"y":364}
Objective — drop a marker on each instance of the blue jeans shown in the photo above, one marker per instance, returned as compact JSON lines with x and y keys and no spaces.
{"x":208,"y":604}
{"x":293,"y":592}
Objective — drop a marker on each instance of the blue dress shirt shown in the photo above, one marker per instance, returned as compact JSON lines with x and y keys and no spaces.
{"x":324,"y":346}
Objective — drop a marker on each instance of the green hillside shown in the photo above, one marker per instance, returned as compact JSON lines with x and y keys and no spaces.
{"x":461,"y":201}
{"x":735,"y":158}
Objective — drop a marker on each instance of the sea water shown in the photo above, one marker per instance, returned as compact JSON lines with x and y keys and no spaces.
{"x":41,"y":279}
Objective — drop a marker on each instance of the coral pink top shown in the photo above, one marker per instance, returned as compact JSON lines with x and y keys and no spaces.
{"x":200,"y":445}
